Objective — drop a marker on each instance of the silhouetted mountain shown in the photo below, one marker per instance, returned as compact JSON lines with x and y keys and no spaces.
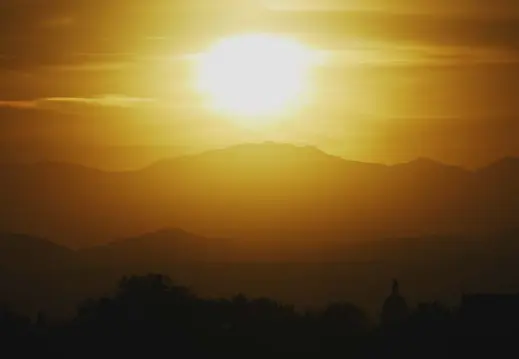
{"x":161,"y":248}
{"x":254,"y":154}
{"x":433,"y":266}
{"x":170,"y":247}
{"x":26,"y":253}
{"x":263,"y":191}
{"x":426,"y":166}
{"x":38,"y":274}
{"x":506,"y":168}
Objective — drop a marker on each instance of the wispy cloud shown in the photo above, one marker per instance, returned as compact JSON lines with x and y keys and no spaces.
{"x":89,"y":67}
{"x":394,"y":54}
{"x":49,"y":32}
{"x":57,"y":103}
{"x":17,"y":104}
{"x":100,"y":101}
{"x":499,"y":8}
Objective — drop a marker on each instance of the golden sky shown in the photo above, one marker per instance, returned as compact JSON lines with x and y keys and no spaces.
{"x":402,"y":79}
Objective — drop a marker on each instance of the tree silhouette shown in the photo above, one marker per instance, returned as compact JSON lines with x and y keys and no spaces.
{"x":150,"y":315}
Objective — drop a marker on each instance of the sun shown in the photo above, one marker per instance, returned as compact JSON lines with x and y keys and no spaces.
{"x":254,"y":76}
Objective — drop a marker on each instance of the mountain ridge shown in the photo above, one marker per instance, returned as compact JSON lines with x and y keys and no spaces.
{"x":240,"y":147}
{"x":329,"y":270}
{"x":258,"y":191}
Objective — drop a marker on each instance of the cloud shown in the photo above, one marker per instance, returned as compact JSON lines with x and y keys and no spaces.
{"x":68,"y":103}
{"x":69,"y":122}
{"x":37,"y":33}
{"x":387,"y":54}
{"x":463,"y":7}
{"x":336,"y":27}
{"x":89,"y":67}
{"x":103,"y":101}
{"x":17,"y":104}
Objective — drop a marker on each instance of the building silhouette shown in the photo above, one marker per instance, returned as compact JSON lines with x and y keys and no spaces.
{"x":395,"y":310}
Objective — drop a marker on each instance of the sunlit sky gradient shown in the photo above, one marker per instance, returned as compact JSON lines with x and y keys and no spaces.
{"x":402,"y":79}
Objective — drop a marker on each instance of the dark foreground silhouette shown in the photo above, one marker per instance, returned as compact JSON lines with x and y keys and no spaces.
{"x":149,"y":316}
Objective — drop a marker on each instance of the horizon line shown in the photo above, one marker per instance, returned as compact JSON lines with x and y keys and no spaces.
{"x":195,"y":153}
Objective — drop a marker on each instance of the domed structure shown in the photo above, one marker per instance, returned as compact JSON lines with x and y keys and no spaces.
{"x":395,"y":309}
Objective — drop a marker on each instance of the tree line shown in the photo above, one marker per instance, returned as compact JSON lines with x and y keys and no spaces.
{"x":149,"y":315}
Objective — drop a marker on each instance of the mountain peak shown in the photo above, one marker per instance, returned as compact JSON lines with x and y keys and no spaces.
{"x":424,"y":165}
{"x":508,"y":161}
{"x":426,"y":161}
{"x":165,"y":234}
{"x":270,"y":148}
{"x":506,"y":165}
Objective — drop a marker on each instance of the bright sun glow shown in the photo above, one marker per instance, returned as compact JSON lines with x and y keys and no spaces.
{"x":255,"y":76}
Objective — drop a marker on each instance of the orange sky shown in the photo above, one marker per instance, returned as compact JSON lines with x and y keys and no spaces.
{"x":414,"y":78}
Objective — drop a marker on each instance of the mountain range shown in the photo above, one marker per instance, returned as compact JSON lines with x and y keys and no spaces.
{"x":266,"y":217}
{"x":259,"y":191}
{"x":36,"y":274}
